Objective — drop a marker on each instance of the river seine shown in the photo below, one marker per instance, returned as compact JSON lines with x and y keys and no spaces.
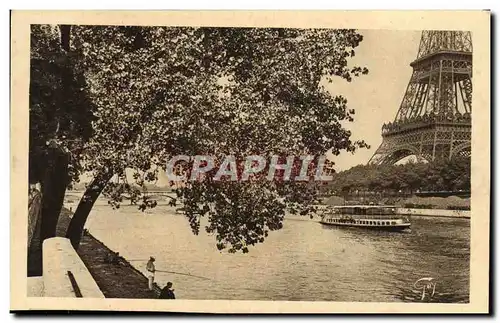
{"x":303,"y":261}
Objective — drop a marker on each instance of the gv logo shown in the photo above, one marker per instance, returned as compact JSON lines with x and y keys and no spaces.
{"x":427,"y":286}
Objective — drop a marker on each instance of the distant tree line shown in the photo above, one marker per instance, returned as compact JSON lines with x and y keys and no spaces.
{"x":441,"y":175}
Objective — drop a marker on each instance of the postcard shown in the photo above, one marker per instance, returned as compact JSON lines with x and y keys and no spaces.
{"x":250,"y":161}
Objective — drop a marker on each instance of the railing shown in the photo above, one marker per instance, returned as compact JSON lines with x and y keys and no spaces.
{"x":34,"y":208}
{"x":369,"y":217}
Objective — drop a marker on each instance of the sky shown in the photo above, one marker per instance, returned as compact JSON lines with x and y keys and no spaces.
{"x":376,"y":97}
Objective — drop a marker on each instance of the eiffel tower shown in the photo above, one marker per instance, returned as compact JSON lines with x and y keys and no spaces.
{"x":434,"y":118}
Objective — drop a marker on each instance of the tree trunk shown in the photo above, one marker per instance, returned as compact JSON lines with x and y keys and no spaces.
{"x":77,"y":223}
{"x":65,"y":37}
{"x":56,"y":175}
{"x":53,"y":189}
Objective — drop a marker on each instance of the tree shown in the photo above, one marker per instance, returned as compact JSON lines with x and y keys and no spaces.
{"x":59,"y":123}
{"x":278,"y":88}
{"x":145,"y":119}
{"x":160,"y":92}
{"x":456,"y":174}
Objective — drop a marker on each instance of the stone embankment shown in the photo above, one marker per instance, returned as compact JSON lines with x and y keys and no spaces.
{"x":87,"y":272}
{"x":435,"y":212}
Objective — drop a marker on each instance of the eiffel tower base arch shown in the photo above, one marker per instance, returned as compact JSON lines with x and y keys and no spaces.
{"x":439,"y":141}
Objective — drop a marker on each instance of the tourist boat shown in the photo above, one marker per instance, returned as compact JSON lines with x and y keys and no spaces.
{"x":365,"y":216}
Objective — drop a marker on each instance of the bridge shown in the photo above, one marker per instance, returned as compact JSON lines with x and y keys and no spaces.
{"x":78,"y":194}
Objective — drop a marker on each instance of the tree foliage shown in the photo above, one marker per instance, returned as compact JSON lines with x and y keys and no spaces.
{"x":441,"y":175}
{"x":61,"y":112}
{"x":156,"y":92}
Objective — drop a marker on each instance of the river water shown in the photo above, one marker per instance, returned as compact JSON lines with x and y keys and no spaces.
{"x":304,"y":261}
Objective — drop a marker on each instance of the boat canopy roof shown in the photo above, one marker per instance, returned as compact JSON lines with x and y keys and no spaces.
{"x":364,"y":210}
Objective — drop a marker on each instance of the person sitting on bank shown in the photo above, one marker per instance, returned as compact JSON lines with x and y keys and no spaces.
{"x":166,"y":292}
{"x":150,"y":267}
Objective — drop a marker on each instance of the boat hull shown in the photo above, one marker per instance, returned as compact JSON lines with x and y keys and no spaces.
{"x":394,"y":227}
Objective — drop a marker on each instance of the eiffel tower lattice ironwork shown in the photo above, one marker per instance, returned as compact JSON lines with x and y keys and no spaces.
{"x":434,"y":118}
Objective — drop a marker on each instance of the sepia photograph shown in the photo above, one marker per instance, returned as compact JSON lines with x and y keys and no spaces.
{"x":252,"y":160}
